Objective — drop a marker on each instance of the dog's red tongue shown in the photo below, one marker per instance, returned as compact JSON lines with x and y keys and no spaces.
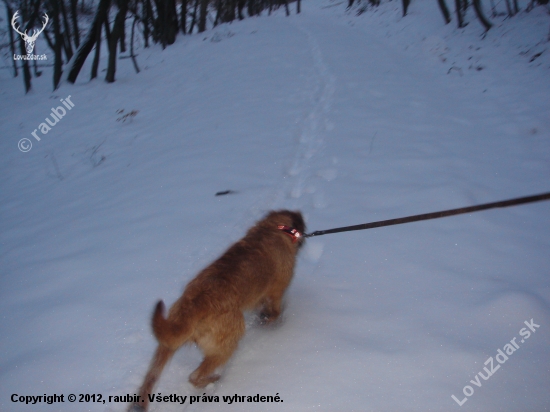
{"x":293,"y":233}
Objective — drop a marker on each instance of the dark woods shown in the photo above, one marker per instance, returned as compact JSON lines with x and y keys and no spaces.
{"x":461,"y":7}
{"x":78,"y":27}
{"x":73,"y":29}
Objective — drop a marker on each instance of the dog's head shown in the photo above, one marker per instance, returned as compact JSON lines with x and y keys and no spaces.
{"x":293,"y":219}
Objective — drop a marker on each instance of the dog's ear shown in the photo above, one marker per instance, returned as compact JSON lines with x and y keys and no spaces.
{"x":298,"y":221}
{"x":295,"y":217}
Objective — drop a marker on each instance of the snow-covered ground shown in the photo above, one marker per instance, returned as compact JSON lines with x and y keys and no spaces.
{"x":348,"y":118}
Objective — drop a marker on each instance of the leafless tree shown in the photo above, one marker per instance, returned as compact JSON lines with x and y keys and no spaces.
{"x":445,"y":11}
{"x":92,"y":38}
{"x":480,"y":15}
{"x":10,"y":13}
{"x":115,"y":37}
{"x":405,"y":6}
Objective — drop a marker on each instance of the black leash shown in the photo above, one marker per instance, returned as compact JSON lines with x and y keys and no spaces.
{"x":434,"y":215}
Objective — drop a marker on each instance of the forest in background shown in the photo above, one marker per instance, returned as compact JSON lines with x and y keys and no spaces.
{"x":73,"y":29}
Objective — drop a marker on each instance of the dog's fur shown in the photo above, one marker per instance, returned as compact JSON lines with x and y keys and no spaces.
{"x":252,"y":274}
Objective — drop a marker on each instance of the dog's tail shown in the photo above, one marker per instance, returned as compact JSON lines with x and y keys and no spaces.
{"x":169,"y":333}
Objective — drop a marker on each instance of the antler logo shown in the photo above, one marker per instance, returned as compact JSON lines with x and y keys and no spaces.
{"x":29,"y":39}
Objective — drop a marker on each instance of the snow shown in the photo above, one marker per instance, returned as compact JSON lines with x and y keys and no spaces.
{"x":348,"y":118}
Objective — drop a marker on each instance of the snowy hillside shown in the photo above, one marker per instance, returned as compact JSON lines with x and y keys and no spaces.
{"x":349,"y":119}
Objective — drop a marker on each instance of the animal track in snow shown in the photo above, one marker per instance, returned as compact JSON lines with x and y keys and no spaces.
{"x":311,"y":129}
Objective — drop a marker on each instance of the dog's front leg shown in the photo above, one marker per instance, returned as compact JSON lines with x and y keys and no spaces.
{"x":270,"y":310}
{"x":272,"y":304}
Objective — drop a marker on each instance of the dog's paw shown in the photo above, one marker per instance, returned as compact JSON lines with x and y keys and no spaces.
{"x":263,"y":318}
{"x":267,"y":318}
{"x":213,"y":379}
{"x":202,"y":381}
{"x":136,"y":407}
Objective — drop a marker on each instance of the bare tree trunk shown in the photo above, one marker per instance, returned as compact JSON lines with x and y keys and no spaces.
{"x":481,"y":16}
{"x":445,"y":11}
{"x":107,"y":28}
{"x":74,"y":17}
{"x":183,"y":20}
{"x":88,"y":43}
{"x":218,"y":12}
{"x":97,"y":54}
{"x":58,"y":42}
{"x":252,"y":8}
{"x":67,"y":30}
{"x":37,"y":73}
{"x":116,"y":33}
{"x":231,"y":10}
{"x":158,"y":25}
{"x":509,"y":8}
{"x":240,"y":7}
{"x":147,"y":19}
{"x":405,"y":7}
{"x":202,"y":15}
{"x":122,"y":39}
{"x":227,"y":12}
{"x":171,"y":21}
{"x":9,"y":12}
{"x":194,"y":17}
{"x":26,"y":70}
{"x":459,"y":15}
{"x":66,"y":46}
{"x":132,"y":45}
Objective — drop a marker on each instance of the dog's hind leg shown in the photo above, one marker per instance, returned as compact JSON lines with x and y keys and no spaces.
{"x":161,"y":357}
{"x":218,"y":346}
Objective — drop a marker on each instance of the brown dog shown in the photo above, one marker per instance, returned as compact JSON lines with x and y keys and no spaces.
{"x":252,"y":274}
